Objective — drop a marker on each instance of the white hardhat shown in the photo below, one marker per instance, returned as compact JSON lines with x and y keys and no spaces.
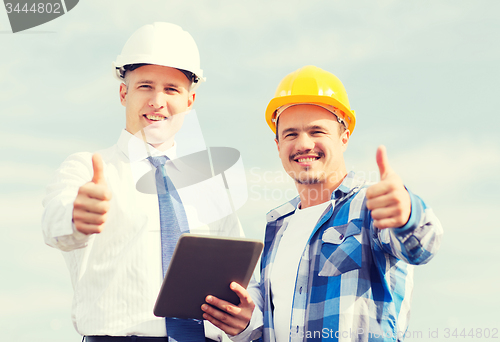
{"x":161,"y":44}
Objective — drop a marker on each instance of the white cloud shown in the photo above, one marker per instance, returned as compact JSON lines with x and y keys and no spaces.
{"x":373,"y":32}
{"x":446,"y":167}
{"x":24,"y":173}
{"x":10,"y":86}
{"x":37,"y":300}
{"x":105,"y":87}
{"x":21,"y":209}
{"x":23,"y":143}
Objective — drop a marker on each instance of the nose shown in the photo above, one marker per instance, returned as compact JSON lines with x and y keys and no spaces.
{"x":157,"y":100}
{"x":304,"y":143}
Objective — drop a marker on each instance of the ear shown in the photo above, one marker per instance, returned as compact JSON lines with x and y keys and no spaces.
{"x":123,"y":94}
{"x":344,"y":138}
{"x":277,"y":144}
{"x":191,"y":97}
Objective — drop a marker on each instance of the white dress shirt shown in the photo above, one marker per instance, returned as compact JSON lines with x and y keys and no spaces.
{"x":117,"y":274}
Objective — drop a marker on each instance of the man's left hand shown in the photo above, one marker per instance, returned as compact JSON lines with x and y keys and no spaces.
{"x":388,"y":200}
{"x":228,"y":317}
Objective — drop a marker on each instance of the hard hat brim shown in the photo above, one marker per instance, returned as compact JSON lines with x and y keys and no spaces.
{"x":194,"y":85}
{"x":277,"y":102}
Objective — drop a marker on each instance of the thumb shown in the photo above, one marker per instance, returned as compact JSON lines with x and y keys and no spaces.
{"x":98,"y":167}
{"x":383,"y":162}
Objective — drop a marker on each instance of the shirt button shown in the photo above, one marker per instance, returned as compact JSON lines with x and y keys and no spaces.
{"x":341,"y":237}
{"x":300,"y":290}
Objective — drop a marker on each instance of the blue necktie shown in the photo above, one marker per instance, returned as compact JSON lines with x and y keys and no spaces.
{"x":173,"y":221}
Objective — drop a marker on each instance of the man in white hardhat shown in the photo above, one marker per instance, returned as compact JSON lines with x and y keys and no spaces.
{"x":117,"y":238}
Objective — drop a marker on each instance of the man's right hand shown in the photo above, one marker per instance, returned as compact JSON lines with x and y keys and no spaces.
{"x":228,"y":317}
{"x":92,"y":202}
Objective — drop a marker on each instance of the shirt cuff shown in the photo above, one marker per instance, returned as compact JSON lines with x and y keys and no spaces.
{"x":415,"y":215}
{"x":405,"y":234}
{"x":248,"y":334}
{"x":73,"y":241}
{"x":212,"y":332}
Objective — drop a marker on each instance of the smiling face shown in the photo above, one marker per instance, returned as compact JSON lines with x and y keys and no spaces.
{"x":156,"y":99}
{"x":310,"y":146}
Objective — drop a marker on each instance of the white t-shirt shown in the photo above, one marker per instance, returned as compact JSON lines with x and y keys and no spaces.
{"x":284,"y":271}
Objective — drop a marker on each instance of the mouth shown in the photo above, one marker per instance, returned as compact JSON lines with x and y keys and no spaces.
{"x":154,"y":117}
{"x":306,"y":159}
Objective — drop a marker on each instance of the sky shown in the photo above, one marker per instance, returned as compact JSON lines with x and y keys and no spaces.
{"x":422,"y":76}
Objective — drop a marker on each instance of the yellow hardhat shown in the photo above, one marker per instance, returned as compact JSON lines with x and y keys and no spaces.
{"x":312,"y":85}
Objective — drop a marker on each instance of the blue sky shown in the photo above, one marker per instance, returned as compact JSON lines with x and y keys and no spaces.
{"x":423,"y":77}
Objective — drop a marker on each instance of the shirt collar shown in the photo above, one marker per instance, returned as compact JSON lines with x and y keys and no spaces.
{"x":137,"y":150}
{"x":351,"y":183}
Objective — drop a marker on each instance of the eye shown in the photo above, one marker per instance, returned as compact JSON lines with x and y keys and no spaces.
{"x":290,"y":135}
{"x":317,"y":133}
{"x":171,"y":90}
{"x":145,"y":86}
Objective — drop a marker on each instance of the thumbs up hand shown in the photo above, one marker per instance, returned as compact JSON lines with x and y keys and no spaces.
{"x":92,"y":202}
{"x":388,"y":200}
{"x":98,"y":167}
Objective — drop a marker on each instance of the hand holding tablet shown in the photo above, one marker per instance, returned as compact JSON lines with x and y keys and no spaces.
{"x":228,"y":317}
{"x":202,"y":266}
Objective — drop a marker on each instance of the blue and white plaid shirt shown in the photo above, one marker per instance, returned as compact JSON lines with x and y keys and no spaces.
{"x":354,"y":282}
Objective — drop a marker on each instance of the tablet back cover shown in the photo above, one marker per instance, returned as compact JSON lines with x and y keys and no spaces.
{"x":203,"y":265}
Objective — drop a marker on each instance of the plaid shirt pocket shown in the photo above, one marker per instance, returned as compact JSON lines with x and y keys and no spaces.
{"x":341,"y":250}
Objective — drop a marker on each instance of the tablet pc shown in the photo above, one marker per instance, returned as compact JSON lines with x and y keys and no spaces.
{"x":203,"y":265}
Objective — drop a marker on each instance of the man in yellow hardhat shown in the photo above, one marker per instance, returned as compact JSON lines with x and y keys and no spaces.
{"x":338,"y":259}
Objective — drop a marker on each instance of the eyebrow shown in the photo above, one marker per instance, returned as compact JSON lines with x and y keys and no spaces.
{"x":289,"y":130}
{"x":146,"y":81}
{"x":308,"y":128}
{"x":315,"y":127}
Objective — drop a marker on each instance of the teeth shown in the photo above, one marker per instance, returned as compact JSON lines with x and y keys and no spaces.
{"x":305,"y":160}
{"x":155,"y":117}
